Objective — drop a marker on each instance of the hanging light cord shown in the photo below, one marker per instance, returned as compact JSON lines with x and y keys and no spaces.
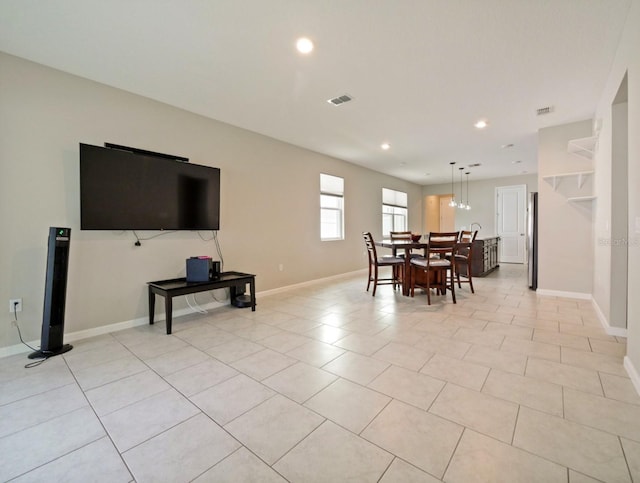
{"x":461,"y":204}
{"x":452,"y":203}
{"x":468,"y":204}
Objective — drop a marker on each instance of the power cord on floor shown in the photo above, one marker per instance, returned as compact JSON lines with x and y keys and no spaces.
{"x":15,"y":322}
{"x":226,"y":295}
{"x":195,"y":307}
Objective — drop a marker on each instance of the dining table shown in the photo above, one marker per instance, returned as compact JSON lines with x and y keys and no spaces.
{"x":407,"y":246}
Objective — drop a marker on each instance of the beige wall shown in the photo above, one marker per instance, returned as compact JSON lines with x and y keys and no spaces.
{"x":482,"y":195}
{"x":565,"y":229}
{"x":611,"y":219}
{"x":269,"y":205}
{"x":618,"y":227}
{"x":627,"y":61}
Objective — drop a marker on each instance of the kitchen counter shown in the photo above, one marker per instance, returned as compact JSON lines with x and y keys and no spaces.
{"x":485,"y":256}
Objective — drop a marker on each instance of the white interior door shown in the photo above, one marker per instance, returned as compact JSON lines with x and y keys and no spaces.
{"x":510,"y":223}
{"x":447,"y":215}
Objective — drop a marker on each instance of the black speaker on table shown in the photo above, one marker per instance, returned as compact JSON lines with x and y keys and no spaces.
{"x":55,"y":294}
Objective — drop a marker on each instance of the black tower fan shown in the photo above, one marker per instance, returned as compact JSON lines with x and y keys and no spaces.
{"x":55,"y":294}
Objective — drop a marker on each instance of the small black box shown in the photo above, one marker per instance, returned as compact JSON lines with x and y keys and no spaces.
{"x":199,"y":269}
{"x":215,"y":271}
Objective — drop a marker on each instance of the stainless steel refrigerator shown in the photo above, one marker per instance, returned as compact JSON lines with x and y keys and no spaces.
{"x":532,"y":244}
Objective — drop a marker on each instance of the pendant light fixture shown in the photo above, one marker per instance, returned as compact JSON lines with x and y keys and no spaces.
{"x":461,"y":204}
{"x":452,"y":203}
{"x":468,"y":206}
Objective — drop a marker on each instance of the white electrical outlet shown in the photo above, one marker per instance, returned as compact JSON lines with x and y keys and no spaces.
{"x":15,"y":305}
{"x":281,"y":267}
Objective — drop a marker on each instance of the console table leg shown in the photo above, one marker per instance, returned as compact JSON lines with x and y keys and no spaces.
{"x":152,"y":305}
{"x":252,"y":289}
{"x":168,"y":309}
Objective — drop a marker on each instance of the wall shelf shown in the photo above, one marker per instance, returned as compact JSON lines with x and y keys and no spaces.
{"x":554,"y":179}
{"x":577,"y":199}
{"x":583,"y":147}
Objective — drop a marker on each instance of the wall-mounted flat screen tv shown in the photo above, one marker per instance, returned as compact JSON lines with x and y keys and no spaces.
{"x":129,"y":189}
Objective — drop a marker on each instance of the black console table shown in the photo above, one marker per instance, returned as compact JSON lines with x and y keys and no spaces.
{"x":236,"y":282}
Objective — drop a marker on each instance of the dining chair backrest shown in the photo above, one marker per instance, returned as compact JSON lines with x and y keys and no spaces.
{"x":371,"y":247}
{"x":442,"y":243}
{"x":449,"y":237}
{"x":400,"y":235}
{"x":468,"y":236}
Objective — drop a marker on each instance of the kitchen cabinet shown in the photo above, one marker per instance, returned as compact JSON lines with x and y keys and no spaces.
{"x":484,"y":256}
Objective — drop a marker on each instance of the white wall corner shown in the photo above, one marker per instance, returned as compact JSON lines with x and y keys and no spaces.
{"x":616,"y":331}
{"x":633,"y":373}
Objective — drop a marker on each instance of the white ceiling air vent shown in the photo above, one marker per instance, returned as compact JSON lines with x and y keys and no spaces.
{"x":541,"y":111}
{"x":336,"y":101}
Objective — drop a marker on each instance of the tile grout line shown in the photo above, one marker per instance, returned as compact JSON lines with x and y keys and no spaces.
{"x":106,"y":433}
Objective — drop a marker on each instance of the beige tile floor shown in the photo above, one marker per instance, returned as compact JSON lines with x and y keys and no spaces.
{"x":327,"y":383}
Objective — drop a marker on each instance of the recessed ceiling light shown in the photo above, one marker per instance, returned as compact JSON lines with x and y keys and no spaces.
{"x":481,"y":124}
{"x":516,"y":162}
{"x":385,"y":146}
{"x":505,"y":146}
{"x":304,"y":45}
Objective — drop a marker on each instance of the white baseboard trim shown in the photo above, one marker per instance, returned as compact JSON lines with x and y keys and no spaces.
{"x":128,"y":324}
{"x":633,"y":373}
{"x":274,"y":291}
{"x":617,"y":331}
{"x":103,"y":329}
{"x":12,"y":350}
{"x":559,"y":293}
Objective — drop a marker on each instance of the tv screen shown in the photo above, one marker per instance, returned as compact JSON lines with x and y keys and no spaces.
{"x":138,"y":190}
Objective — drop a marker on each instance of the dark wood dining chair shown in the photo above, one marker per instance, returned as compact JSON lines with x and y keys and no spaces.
{"x":375,"y":262}
{"x":402,"y":235}
{"x":468,"y":236}
{"x":464,"y":257}
{"x":437,"y":269}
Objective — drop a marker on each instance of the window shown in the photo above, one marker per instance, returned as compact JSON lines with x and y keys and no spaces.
{"x":394,"y":211}
{"x":331,"y":207}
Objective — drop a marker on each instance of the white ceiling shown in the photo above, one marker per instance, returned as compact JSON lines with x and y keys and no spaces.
{"x":421,"y":71}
